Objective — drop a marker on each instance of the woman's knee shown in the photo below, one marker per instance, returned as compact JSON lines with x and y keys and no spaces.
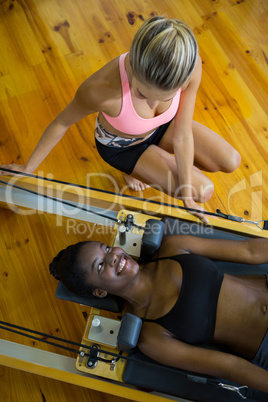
{"x":203,"y":191}
{"x":232,"y":162}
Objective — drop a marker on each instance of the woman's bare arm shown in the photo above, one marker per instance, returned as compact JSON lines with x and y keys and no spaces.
{"x":183,"y":141}
{"x":158,"y":344}
{"x":250,"y":251}
{"x":89,"y":98}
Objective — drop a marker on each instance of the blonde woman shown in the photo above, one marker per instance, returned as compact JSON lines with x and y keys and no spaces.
{"x":145,"y":128}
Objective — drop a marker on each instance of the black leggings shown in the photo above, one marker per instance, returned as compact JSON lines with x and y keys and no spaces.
{"x":125,"y":158}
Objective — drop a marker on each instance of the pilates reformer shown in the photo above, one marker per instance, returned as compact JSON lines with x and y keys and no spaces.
{"x":125,"y":366}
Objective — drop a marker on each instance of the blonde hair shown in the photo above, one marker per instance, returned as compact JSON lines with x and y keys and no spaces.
{"x":163,"y":53}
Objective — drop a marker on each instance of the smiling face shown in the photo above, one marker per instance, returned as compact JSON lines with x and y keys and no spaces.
{"x":108,"y":268}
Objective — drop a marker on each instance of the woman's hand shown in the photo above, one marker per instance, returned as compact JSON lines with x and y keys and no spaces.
{"x":14,"y":167}
{"x":190,"y":203}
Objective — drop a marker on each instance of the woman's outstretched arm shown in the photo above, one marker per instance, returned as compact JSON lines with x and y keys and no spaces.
{"x":158,"y":344}
{"x":250,"y":251}
{"x":84,"y":103}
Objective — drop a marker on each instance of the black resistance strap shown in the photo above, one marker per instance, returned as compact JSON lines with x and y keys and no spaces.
{"x":217,"y":214}
{"x":114,"y":356}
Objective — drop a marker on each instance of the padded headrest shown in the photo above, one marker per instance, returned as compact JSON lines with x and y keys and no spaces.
{"x":110,"y":303}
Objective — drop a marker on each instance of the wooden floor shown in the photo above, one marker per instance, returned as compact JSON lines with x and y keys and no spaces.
{"x":47,"y":48}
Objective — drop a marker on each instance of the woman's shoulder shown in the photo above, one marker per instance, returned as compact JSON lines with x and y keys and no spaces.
{"x":101,"y":87}
{"x":171,"y":246}
{"x":195,"y":78}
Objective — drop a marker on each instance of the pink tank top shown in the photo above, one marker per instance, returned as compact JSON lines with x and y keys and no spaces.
{"x":128,"y":121}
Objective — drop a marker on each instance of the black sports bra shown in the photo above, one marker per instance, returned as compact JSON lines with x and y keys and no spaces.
{"x":192,"y":318}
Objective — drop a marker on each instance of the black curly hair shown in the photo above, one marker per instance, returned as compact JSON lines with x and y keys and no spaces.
{"x":66,"y":268}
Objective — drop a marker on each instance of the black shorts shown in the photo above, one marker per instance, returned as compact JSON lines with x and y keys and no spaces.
{"x":125,"y":158}
{"x":261,"y":357}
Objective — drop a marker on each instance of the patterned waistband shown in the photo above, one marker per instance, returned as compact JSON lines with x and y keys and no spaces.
{"x":112,"y":140}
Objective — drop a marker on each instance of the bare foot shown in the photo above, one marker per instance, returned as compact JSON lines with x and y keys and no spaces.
{"x":135,"y":184}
